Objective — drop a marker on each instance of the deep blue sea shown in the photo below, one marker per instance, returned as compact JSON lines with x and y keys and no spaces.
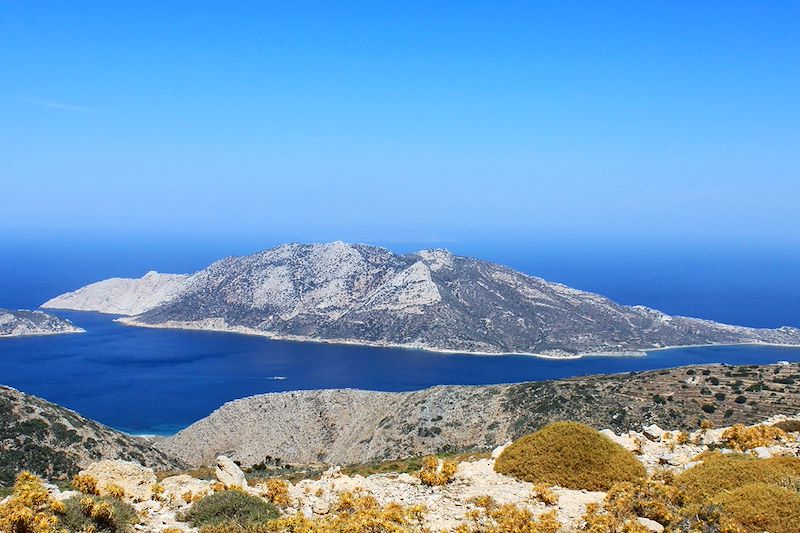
{"x":158,"y":381}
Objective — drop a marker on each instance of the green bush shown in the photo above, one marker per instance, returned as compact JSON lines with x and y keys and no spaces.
{"x":231,"y":506}
{"x":95,"y":513}
{"x":570,"y":455}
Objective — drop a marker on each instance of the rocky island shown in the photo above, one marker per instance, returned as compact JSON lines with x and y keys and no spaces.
{"x":430,"y":300}
{"x":27,"y":323}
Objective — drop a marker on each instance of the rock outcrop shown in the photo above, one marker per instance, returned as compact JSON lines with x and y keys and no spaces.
{"x":431,"y":300}
{"x":135,"y":480}
{"x":29,"y":323}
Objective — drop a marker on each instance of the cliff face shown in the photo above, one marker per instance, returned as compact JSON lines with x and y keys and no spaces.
{"x":433,"y":299}
{"x":27,"y":323}
{"x":55,"y":442}
{"x":350,"y":426}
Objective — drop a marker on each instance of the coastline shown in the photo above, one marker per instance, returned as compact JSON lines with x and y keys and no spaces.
{"x":216,"y":326}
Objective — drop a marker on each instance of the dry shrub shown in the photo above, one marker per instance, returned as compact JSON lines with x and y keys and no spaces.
{"x":278,"y":492}
{"x":762,"y":507}
{"x":570,"y":455}
{"x":595,"y":521}
{"x":650,"y":499}
{"x":435,"y":472}
{"x":509,"y":518}
{"x":158,"y":492}
{"x":741,"y":438}
{"x":544,"y":493}
{"x":682,"y":438}
{"x":353,"y":513}
{"x":30,"y":508}
{"x":85,"y":483}
{"x":726,"y":472}
{"x":115,"y":491}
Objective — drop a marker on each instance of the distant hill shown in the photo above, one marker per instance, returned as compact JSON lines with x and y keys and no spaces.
{"x":25,"y":323}
{"x":431,"y":299}
{"x":55,"y":443}
{"x":353,"y":426}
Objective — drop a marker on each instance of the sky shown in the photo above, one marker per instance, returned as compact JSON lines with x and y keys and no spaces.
{"x":403,"y":121}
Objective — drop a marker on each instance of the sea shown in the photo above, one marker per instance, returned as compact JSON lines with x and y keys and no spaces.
{"x":156,"y":382}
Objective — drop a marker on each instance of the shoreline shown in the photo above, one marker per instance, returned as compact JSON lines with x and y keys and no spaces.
{"x":241,"y":330}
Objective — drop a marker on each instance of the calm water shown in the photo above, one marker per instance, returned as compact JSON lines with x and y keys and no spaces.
{"x":158,"y":381}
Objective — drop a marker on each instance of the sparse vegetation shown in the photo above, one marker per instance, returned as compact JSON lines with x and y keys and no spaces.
{"x":570,"y":455}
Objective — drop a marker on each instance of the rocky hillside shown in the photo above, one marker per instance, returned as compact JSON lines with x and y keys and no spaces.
{"x":350,"y":426}
{"x":55,"y":442}
{"x":26,"y":323}
{"x":432,"y":300}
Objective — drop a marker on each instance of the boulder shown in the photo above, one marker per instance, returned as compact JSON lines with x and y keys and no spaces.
{"x":134,"y":479}
{"x":229,"y":474}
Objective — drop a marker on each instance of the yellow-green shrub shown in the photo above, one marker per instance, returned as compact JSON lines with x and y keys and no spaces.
{"x":725,"y":472}
{"x":85,"y":483}
{"x":30,"y":509}
{"x":570,"y":455}
{"x":432,"y":473}
{"x":761,"y":507}
{"x":278,"y":492}
{"x":353,"y":513}
{"x":544,"y":493}
{"x":740,"y":437}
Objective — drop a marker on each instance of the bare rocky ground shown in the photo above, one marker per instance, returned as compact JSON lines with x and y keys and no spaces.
{"x":446,"y":506}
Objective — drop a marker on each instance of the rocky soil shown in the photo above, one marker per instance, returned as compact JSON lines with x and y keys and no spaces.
{"x":446,"y":506}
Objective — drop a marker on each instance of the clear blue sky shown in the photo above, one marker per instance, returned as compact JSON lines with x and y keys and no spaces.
{"x":403,"y":121}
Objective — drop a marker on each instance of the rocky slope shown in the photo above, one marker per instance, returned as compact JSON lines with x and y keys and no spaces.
{"x":432,"y":300}
{"x":55,"y":442}
{"x":351,"y":426}
{"x":26,"y":323}
{"x":459,"y":505}
{"x":122,"y":296}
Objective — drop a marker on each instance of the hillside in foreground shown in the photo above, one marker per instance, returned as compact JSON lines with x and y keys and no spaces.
{"x":353,"y":426}
{"x":55,"y":443}
{"x":432,"y":300}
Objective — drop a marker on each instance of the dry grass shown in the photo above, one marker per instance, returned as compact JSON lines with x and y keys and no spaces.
{"x":570,"y":455}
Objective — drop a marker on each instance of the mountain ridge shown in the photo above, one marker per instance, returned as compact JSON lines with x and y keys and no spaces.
{"x":432,"y":300}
